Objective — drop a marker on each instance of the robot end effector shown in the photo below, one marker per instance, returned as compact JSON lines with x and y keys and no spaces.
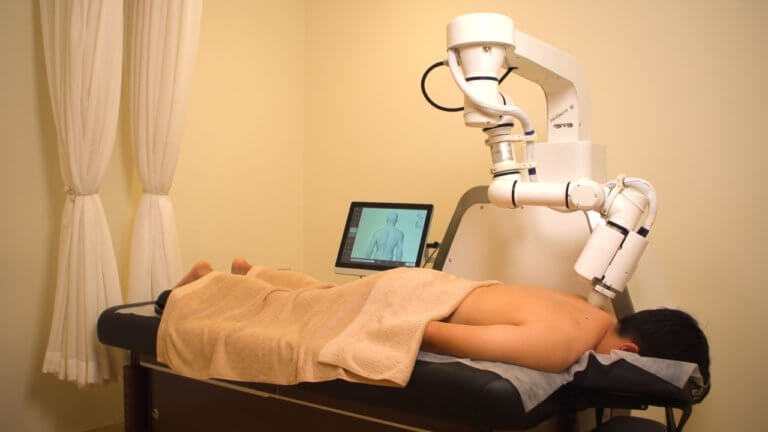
{"x":613,"y":250}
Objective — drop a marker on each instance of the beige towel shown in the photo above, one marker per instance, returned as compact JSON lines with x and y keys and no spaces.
{"x":284,"y":327}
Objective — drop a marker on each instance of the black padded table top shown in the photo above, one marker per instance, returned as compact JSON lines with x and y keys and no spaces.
{"x":451,"y":391}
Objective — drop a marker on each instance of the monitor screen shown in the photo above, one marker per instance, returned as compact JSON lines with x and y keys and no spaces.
{"x":382,"y":236}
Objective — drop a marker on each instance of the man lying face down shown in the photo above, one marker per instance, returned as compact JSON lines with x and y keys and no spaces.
{"x":545,"y":329}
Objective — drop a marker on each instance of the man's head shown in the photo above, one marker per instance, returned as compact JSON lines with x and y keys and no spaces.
{"x":667,"y":333}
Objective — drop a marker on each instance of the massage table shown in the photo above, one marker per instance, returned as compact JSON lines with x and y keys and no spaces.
{"x":439,"y":396}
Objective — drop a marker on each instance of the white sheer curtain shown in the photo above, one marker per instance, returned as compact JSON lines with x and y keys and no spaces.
{"x":83,"y":46}
{"x":163,"y":48}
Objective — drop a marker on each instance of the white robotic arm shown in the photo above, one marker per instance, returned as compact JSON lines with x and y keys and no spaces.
{"x":478,"y":46}
{"x":612,"y":252}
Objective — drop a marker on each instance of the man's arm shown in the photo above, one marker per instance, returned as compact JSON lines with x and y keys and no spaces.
{"x":371,"y":247}
{"x":398,"y":253}
{"x":535,"y":348}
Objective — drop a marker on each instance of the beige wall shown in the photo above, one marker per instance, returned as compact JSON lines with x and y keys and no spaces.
{"x":675,"y":86}
{"x":239,"y":182}
{"x":299,"y":107}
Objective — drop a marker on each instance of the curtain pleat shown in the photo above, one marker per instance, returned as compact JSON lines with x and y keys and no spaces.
{"x":82,"y":41}
{"x":163,"y":48}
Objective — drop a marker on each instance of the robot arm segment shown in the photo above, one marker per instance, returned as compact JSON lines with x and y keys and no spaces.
{"x":581,"y":194}
{"x":483,"y":97}
{"x":475,"y":43}
{"x":612,"y":252}
{"x":478,"y":45}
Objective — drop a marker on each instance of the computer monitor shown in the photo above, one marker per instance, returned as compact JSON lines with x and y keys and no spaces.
{"x":382,"y":236}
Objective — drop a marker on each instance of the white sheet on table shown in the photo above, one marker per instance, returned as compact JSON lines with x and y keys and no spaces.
{"x":535,"y":386}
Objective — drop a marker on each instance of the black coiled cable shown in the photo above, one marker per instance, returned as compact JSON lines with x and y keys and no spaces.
{"x":437,"y":105}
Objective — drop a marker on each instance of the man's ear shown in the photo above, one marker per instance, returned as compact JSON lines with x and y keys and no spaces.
{"x":630,"y":347}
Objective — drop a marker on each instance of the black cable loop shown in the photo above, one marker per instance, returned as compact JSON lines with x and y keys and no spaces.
{"x":440,"y":107}
{"x":424,"y":90}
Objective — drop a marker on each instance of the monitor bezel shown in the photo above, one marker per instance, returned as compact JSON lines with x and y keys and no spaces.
{"x":361,"y":269}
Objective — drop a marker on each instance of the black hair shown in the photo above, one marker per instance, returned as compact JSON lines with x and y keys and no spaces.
{"x":667,"y":333}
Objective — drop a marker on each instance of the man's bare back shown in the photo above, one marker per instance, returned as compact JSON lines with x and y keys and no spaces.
{"x":531,"y":327}
{"x":388,"y":243}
